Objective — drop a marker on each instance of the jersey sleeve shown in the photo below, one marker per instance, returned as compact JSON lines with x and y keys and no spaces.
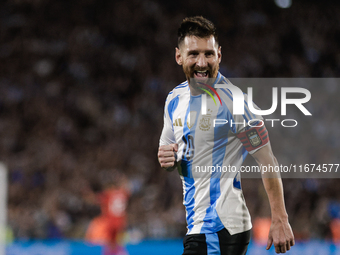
{"x":253,"y":134}
{"x":167,"y":136}
{"x":248,"y":119}
{"x":254,"y":138}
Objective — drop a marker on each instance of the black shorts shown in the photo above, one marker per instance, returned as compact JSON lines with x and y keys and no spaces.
{"x":221,"y":243}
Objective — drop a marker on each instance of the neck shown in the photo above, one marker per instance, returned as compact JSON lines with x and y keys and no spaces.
{"x":195,"y":91}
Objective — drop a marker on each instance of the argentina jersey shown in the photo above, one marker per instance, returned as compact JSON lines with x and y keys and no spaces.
{"x":209,"y":157}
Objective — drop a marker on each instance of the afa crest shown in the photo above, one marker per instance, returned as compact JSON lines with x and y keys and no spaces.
{"x":254,"y":138}
{"x":205,"y":121}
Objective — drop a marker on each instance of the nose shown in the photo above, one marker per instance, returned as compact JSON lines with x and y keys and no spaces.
{"x":201,"y":60}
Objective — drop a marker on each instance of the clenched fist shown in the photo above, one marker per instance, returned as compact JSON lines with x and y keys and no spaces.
{"x":167,"y":156}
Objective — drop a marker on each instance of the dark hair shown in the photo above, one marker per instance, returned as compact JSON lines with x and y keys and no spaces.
{"x":197,"y":26}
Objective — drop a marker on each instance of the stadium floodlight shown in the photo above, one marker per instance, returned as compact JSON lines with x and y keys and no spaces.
{"x":283,"y":3}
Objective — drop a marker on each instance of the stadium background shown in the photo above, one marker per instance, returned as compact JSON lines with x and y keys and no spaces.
{"x":82,"y":90}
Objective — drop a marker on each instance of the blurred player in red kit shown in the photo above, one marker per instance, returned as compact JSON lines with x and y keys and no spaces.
{"x":107,"y":228}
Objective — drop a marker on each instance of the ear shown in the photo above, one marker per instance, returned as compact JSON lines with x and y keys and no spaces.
{"x":219,"y":54}
{"x":178,"y":57}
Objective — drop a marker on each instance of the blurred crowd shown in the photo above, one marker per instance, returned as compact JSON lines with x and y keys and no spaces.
{"x":82,"y":91}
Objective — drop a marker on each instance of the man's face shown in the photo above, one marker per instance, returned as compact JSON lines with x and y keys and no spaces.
{"x":200,"y":57}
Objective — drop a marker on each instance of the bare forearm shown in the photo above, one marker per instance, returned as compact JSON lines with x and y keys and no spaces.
{"x":280,"y":233}
{"x":272,"y":182}
{"x":274,"y":190}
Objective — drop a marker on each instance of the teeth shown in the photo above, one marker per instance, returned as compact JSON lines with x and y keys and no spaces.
{"x":202,"y":71}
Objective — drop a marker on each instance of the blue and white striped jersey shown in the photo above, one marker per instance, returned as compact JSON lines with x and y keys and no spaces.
{"x":213,"y":196}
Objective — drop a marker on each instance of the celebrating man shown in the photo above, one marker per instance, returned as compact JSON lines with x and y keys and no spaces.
{"x":217,"y":217}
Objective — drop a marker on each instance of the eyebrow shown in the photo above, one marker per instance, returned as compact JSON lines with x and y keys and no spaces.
{"x":192,"y":52}
{"x":196,"y":52}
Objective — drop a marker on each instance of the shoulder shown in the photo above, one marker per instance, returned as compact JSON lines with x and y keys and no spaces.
{"x":178,"y":91}
{"x":230,"y":92}
{"x":226,"y":92}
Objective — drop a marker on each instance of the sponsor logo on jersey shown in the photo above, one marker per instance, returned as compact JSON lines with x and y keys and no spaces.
{"x":178,"y":123}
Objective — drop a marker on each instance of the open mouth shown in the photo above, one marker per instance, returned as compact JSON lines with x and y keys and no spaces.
{"x":201,"y":74}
